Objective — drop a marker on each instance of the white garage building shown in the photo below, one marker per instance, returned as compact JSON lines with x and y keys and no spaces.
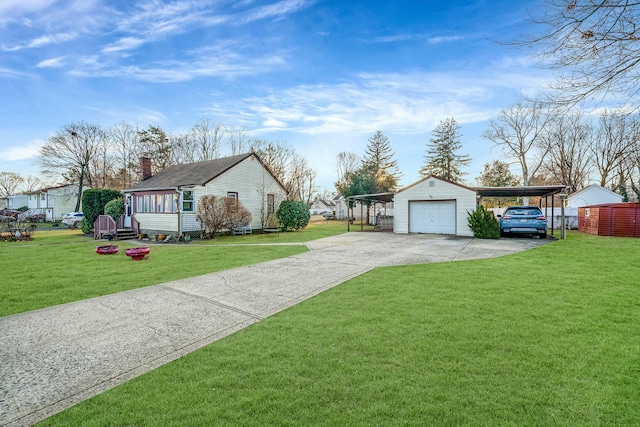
{"x":433,"y":205}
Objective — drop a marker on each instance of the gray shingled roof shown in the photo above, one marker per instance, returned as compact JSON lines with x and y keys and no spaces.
{"x":189,"y":174}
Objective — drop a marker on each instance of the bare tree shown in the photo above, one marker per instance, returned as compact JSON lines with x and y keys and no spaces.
{"x":207,"y":139}
{"x":519,"y":131}
{"x":614,"y":142}
{"x":634,"y":172}
{"x":237,"y":140}
{"x":9,"y":183}
{"x":567,"y":142}
{"x":593,"y":43}
{"x":347,"y":164}
{"x":291,"y":169}
{"x":124,"y":141}
{"x":31,"y":183}
{"x":301,"y":177}
{"x":278,"y":157}
{"x":70,"y":152}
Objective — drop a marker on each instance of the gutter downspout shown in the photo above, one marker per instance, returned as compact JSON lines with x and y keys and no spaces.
{"x":178,"y":210}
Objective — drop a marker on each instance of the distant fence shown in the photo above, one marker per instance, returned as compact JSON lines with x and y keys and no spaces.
{"x":570,"y":216}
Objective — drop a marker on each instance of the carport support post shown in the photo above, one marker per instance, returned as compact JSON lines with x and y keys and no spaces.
{"x":563,"y":227}
{"x":553,"y":207}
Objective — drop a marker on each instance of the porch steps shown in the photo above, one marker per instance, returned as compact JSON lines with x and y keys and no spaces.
{"x":126,"y":234}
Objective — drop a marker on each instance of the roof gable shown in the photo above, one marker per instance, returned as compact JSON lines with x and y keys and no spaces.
{"x":595,"y":187}
{"x":434,"y":177}
{"x":199,"y":173}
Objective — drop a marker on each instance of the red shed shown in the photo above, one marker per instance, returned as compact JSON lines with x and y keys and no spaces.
{"x":615,"y":219}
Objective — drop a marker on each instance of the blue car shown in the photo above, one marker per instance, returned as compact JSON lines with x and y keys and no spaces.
{"x":527,"y":220}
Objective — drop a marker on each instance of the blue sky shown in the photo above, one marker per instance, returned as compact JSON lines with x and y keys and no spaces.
{"x":319,"y":75}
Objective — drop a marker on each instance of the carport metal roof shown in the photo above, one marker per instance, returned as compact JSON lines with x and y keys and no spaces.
{"x":378,"y":197}
{"x":529,"y":191}
{"x":536,"y":190}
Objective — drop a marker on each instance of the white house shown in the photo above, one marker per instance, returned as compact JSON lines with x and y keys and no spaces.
{"x":592,"y":195}
{"x":54,"y":202}
{"x":434,"y":205}
{"x":319,"y":206}
{"x":167,"y":202}
{"x":17,"y":201}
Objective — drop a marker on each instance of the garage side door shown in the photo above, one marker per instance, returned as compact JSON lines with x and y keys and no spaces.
{"x":434,"y":217}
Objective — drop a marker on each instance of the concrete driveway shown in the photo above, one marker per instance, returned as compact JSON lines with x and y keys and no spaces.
{"x":53,"y":358}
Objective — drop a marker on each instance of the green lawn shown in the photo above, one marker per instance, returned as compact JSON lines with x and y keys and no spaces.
{"x":315,"y":230}
{"x":61,"y":266}
{"x":550,"y":336}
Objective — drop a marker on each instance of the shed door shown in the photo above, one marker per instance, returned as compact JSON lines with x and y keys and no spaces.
{"x":434,"y":217}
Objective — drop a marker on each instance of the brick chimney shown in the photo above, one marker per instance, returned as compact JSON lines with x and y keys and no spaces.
{"x":145,"y":166}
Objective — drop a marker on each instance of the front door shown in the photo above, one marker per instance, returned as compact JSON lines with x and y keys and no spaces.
{"x":128,"y":210}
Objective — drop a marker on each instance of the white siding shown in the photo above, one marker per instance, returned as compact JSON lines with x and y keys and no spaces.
{"x":433,"y":189}
{"x":62,"y":200}
{"x":159,"y":222}
{"x":593,"y":195}
{"x":252,"y":182}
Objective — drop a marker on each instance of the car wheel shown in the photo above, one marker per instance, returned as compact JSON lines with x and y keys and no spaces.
{"x":543,"y":236}
{"x":76,"y":224}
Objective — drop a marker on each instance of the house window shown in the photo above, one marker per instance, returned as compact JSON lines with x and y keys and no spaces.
{"x":233,"y":195}
{"x":156,"y":203}
{"x":187,"y":201}
{"x":271,"y":203}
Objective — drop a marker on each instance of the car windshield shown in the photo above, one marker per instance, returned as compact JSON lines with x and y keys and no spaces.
{"x":524,"y":212}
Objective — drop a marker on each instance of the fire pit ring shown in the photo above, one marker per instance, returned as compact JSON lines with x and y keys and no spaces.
{"x":137,"y":254}
{"x":107,"y":249}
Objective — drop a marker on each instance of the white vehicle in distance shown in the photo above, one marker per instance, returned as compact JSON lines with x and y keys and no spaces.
{"x":72,"y":219}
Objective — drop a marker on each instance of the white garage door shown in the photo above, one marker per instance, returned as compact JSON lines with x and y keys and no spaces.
{"x":436,"y":217}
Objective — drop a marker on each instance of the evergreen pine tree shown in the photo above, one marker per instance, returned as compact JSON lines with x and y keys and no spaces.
{"x":378,"y":159}
{"x":442,"y":159}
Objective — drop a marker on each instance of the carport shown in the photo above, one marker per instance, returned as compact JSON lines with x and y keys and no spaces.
{"x":367,"y":199}
{"x":545,"y":191}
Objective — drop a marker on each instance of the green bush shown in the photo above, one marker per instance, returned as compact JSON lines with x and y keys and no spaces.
{"x":93,"y":203}
{"x":114,"y":208}
{"x":23,"y":208}
{"x":293,"y":215}
{"x":483,"y":224}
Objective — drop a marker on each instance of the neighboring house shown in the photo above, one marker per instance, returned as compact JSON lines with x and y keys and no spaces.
{"x":434,"y":205}
{"x":17,"y":201}
{"x":592,"y":195}
{"x":54,"y":202}
{"x":167,"y":202}
{"x":320,"y":206}
{"x":359,"y":211}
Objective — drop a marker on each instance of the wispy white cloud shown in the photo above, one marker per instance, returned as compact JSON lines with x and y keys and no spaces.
{"x":411,"y":37}
{"x":125,"y":43}
{"x":443,"y":39}
{"x":8,"y":72}
{"x":279,"y":9}
{"x":22,"y":152}
{"x":399,"y":103}
{"x":13,"y":9}
{"x":52,"y":63}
